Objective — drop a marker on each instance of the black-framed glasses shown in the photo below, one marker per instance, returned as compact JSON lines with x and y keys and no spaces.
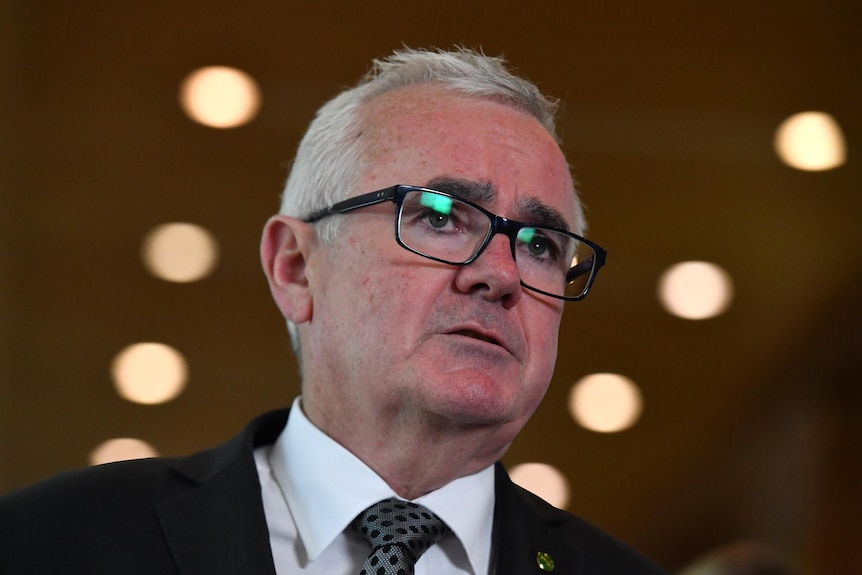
{"x":451,"y":230}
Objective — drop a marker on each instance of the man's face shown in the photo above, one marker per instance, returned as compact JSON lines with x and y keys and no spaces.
{"x":397,"y":337}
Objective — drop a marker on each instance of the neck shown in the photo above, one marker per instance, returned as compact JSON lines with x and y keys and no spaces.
{"x":415,"y":456}
{"x":414,"y":466}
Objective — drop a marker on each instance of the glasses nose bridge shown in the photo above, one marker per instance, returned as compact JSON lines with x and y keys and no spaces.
{"x":505,"y":226}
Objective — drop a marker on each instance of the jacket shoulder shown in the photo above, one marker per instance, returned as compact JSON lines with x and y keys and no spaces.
{"x":76,"y":516}
{"x":92,"y":520}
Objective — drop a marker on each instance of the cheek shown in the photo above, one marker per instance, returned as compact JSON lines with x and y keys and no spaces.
{"x":384,"y":295}
{"x":543,"y":329}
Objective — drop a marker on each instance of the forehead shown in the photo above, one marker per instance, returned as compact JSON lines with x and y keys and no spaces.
{"x":421,"y":134}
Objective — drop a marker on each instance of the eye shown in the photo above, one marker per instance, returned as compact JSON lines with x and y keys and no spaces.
{"x":538,"y":246}
{"x":438,"y":220}
{"x":542,"y":245}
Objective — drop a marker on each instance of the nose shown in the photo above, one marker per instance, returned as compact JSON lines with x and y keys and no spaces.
{"x":493,"y":275}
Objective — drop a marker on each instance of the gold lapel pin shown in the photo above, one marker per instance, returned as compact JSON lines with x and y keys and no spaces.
{"x":544,"y":561}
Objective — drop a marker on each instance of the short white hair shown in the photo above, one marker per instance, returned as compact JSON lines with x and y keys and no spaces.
{"x":328,"y":160}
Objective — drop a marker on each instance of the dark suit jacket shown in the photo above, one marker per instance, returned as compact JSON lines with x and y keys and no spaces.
{"x":203,"y":514}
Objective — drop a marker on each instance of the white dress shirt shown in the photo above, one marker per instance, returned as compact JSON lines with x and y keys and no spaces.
{"x":313,"y":488}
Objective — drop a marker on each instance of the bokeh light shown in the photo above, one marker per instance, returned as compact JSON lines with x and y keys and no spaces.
{"x":544,"y":480}
{"x":179,"y":252}
{"x":695,"y":290}
{"x":121,"y":449}
{"x":605,"y":402}
{"x":149,"y":373}
{"x":220,"y":97}
{"x":811,"y":141}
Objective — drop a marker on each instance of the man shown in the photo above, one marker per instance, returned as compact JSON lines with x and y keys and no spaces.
{"x":426,"y":326}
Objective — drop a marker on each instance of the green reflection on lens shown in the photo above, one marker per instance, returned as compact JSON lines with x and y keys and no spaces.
{"x":438,"y":203}
{"x":525,"y":235}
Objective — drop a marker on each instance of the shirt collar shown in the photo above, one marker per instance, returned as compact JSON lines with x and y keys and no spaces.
{"x":467,"y":506}
{"x":326,"y":487}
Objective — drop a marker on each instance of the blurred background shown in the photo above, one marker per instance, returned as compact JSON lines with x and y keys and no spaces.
{"x":693,"y":407}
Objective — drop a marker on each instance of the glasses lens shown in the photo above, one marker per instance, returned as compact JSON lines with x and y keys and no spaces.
{"x":554,"y":262}
{"x":440,"y":226}
{"x":581,"y":272}
{"x":446,"y":229}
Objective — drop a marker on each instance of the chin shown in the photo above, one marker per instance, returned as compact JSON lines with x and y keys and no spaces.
{"x":480,"y":399}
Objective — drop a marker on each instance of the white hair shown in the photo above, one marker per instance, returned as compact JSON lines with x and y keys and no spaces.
{"x":328,"y":160}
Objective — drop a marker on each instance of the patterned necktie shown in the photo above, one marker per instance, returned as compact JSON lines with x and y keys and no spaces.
{"x":399,"y":533}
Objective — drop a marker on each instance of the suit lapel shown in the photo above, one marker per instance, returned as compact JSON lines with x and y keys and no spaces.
{"x":215,"y":523}
{"x":523,"y":530}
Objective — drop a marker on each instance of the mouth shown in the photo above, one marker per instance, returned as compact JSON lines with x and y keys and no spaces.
{"x":476,"y":335}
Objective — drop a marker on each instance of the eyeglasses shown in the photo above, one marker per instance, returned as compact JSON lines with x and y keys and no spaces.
{"x":448,"y":229}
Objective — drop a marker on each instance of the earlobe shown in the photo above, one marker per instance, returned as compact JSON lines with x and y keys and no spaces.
{"x":284,"y":251}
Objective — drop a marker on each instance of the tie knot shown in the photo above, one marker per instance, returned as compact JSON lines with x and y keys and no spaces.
{"x":391,"y":522}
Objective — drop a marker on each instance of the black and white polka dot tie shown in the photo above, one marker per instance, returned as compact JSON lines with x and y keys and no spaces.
{"x":399,"y":533}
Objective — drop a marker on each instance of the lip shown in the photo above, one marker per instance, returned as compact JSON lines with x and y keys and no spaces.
{"x":483,"y":335}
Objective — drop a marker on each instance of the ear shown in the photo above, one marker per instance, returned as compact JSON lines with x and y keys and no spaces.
{"x":284,"y":250}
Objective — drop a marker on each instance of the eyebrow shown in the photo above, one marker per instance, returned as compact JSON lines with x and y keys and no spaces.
{"x":474,"y":191}
{"x":541,"y":213}
{"x":535,"y":210}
